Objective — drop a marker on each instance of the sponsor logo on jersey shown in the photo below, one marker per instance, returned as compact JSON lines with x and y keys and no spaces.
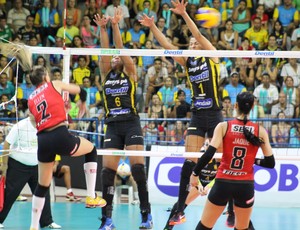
{"x":203,"y":103}
{"x":239,"y":128}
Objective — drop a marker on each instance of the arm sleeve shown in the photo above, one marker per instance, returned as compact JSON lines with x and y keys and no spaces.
{"x":204,"y":160}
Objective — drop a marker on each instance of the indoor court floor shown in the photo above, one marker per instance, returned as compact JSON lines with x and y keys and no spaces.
{"x":74,"y":216}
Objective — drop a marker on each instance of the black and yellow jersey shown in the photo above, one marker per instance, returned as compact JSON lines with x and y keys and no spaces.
{"x":119,"y":97}
{"x":203,"y":75}
{"x":208,"y":173}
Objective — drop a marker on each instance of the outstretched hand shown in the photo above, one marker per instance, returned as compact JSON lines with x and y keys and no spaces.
{"x":146,"y":21}
{"x":117,"y":16}
{"x":101,"y":21}
{"x":179,"y":6}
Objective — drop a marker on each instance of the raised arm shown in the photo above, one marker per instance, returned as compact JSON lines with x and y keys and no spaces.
{"x":180,"y":9}
{"x":160,"y":37}
{"x":127,"y":60}
{"x":104,"y":41}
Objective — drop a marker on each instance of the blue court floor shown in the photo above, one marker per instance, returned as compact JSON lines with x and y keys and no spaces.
{"x":74,"y":216}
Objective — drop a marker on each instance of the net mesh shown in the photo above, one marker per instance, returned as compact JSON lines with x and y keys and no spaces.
{"x":158,"y":128}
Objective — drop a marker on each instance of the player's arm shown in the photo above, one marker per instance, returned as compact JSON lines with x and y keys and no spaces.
{"x":104,"y":41}
{"x":160,"y":37}
{"x":128,"y":62}
{"x":268,"y":161}
{"x":71,"y":88}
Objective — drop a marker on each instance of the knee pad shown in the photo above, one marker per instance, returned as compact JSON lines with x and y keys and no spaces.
{"x":187,"y":168}
{"x":41,"y":191}
{"x":200,"y":226}
{"x":108,"y":176}
{"x":91,"y":156}
{"x":138,"y":172}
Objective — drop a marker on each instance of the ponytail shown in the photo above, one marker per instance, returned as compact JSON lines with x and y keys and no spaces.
{"x":250,"y":136}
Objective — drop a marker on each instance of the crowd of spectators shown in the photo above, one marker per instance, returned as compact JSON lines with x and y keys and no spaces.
{"x":163,"y":91}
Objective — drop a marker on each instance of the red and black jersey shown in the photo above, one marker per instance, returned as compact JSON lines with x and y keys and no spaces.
{"x":47,"y":106}
{"x":238,"y":154}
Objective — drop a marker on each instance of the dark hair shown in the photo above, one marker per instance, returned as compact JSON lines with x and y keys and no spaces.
{"x":37,"y":75}
{"x":245,"y":102}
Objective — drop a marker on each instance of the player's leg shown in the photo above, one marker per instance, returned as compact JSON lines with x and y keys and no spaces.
{"x":231,"y":217}
{"x":38,"y":199}
{"x":193,"y":144}
{"x":108,"y":173}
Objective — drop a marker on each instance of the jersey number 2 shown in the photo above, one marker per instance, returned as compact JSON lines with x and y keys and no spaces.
{"x":237,"y":161}
{"x":42,"y":108}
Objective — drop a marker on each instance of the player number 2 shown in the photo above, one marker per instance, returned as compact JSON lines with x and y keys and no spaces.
{"x":237,"y":161}
{"x":42,"y":108}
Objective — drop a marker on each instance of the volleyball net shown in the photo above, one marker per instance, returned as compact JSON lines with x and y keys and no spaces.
{"x":93,"y":129}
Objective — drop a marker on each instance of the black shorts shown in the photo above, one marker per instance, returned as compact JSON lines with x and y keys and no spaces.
{"x":204,"y":122}
{"x":56,"y":141}
{"x":123,"y":133}
{"x":242,"y":193}
{"x":58,"y":173}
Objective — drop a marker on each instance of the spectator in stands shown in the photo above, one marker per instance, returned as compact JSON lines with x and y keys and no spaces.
{"x":287,"y":15}
{"x":138,"y":5}
{"x":296,"y":47}
{"x":241,"y":17}
{"x":33,"y":41}
{"x":295,"y":35}
{"x":40,"y":60}
{"x":124,"y":23}
{"x":147,"y":61}
{"x":161,"y":25}
{"x":178,"y":134}
{"x":146,"y":9}
{"x":25,"y":89}
{"x":168,"y":92}
{"x":234,"y":87}
{"x":93,"y":98}
{"x":28,"y":31}
{"x":294,"y":140}
{"x":88,"y":33}
{"x":56,"y":59}
{"x":160,"y":110}
{"x":154,"y":79}
{"x":229,"y":37}
{"x":16,"y":16}
{"x":8,"y":109}
{"x":23,"y":110}
{"x":69,"y":30}
{"x":257,"y":36}
{"x":292,"y":93}
{"x":292,"y":68}
{"x":181,"y":109}
{"x":267,"y":66}
{"x":135,"y":37}
{"x":280,"y":34}
{"x":171,"y":21}
{"x":91,"y":10}
{"x":6,"y":86}
{"x":269,"y":5}
{"x":260,"y":13}
{"x":64,"y":171}
{"x":280,"y":131}
{"x":47,"y":20}
{"x":5,"y":68}
{"x":227,"y":107}
{"x":181,"y":36}
{"x":81,"y":71}
{"x":6,"y":33}
{"x":266,"y":93}
{"x":78,"y":43}
{"x":56,"y":74}
{"x":282,"y":106}
{"x":74,"y":12}
{"x":151,"y":132}
{"x":257,"y":111}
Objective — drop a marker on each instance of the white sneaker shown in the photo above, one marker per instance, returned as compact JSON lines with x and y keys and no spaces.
{"x":21,"y":198}
{"x":1,"y":226}
{"x":54,"y":226}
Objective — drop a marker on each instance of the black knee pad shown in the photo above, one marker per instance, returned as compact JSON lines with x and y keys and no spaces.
{"x":138,"y":172}
{"x":91,"y":156}
{"x":200,"y":226}
{"x":108,"y":176}
{"x":187,"y":168}
{"x":41,"y":191}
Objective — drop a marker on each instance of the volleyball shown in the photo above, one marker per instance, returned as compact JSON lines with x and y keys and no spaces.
{"x":123,"y":170}
{"x":208,"y":17}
